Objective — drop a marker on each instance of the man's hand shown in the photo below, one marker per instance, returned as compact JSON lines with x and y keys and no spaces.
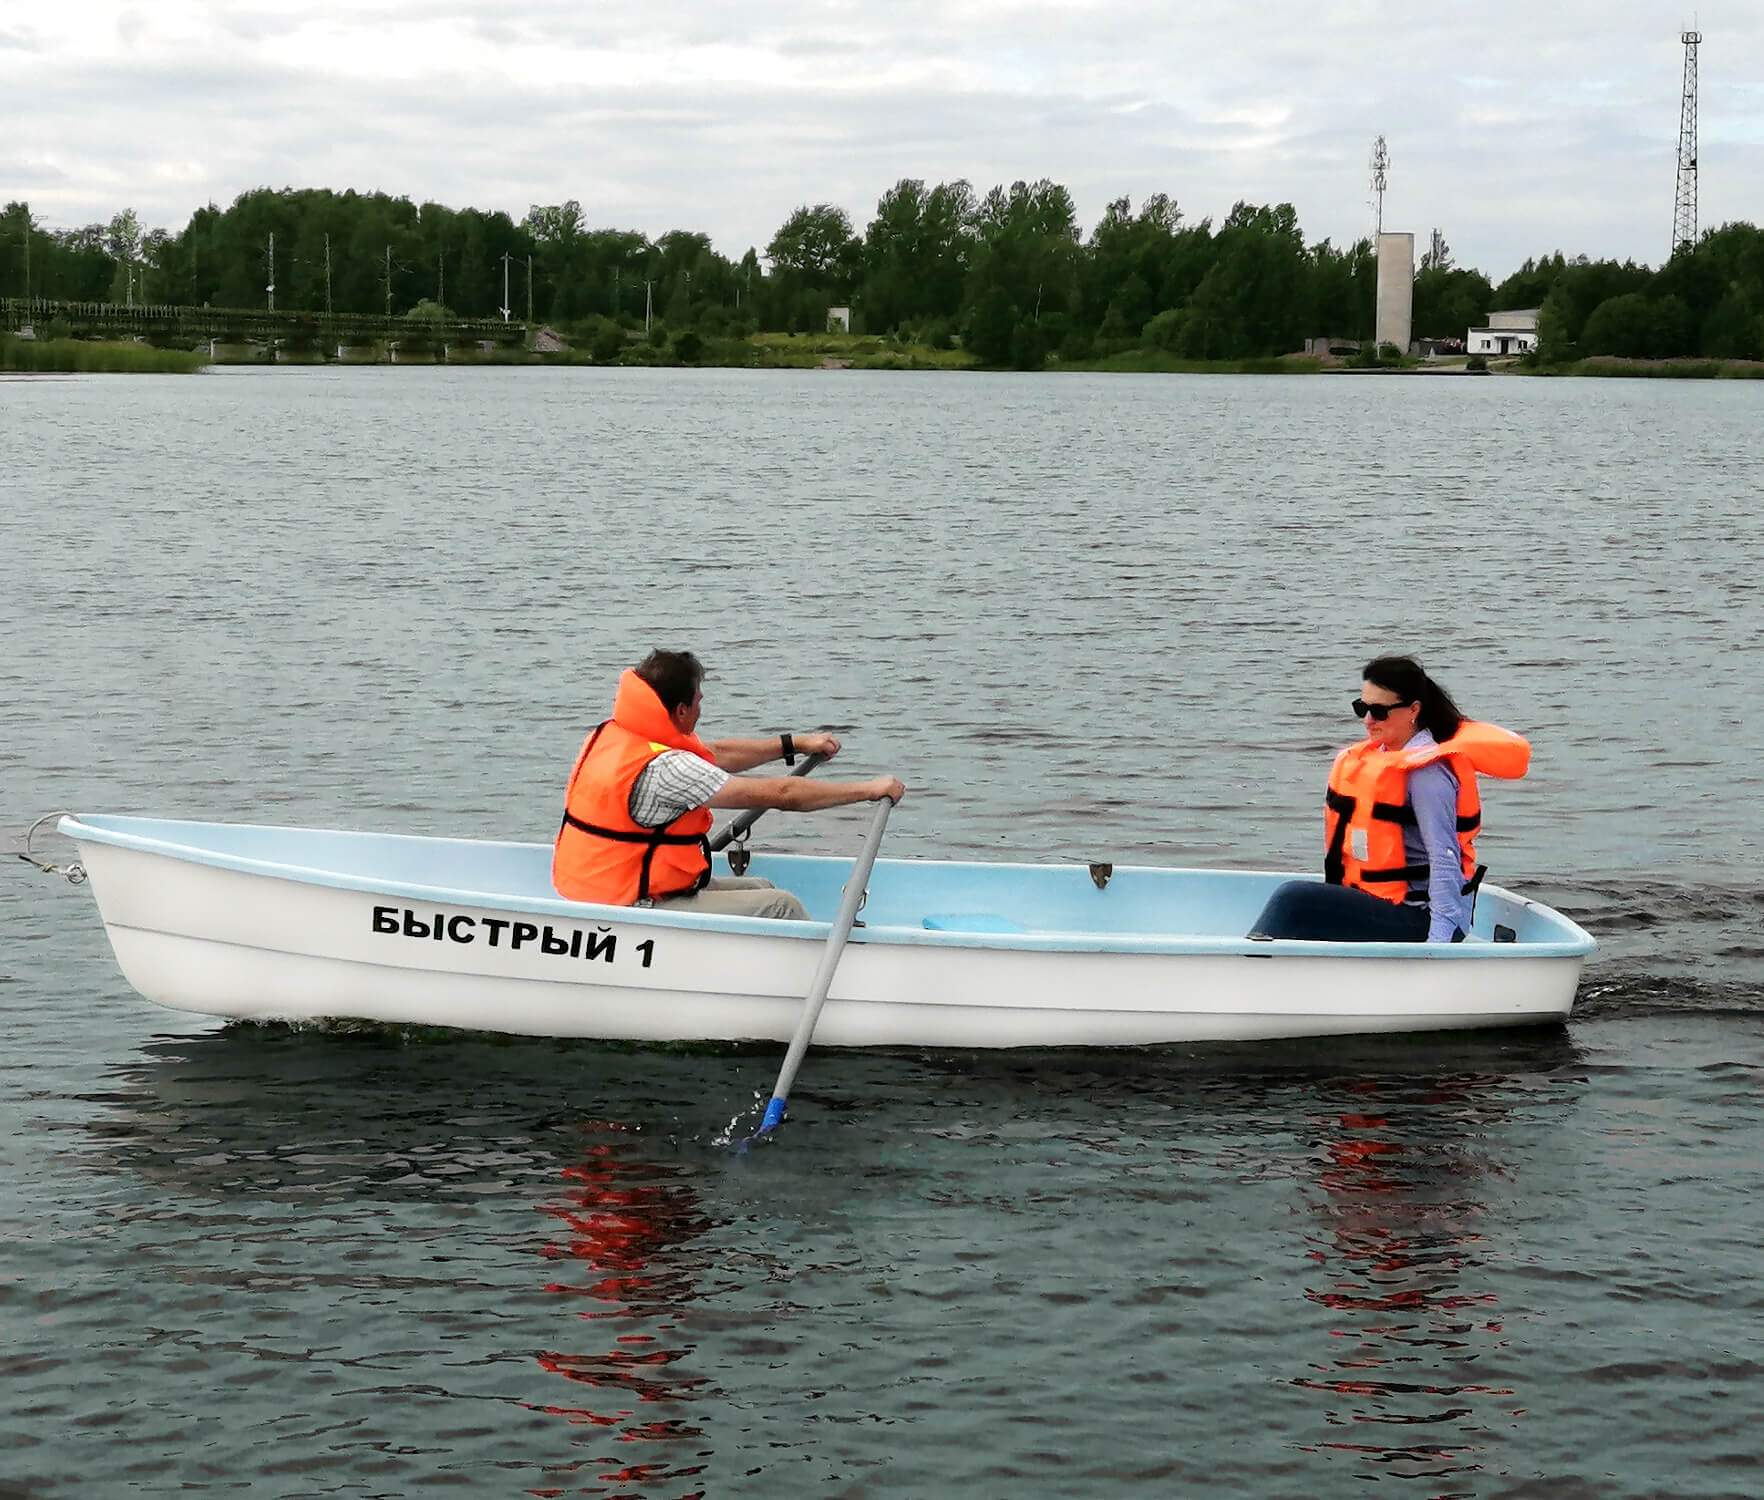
{"x":817,"y":742}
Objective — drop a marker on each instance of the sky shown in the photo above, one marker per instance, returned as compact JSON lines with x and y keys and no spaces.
{"x":1516,"y":127}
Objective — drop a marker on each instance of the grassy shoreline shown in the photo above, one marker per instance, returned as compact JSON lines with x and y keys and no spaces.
{"x":89,"y":357}
{"x":1607,"y":367}
{"x":786,"y":351}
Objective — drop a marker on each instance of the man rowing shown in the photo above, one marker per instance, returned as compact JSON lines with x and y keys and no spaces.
{"x":637,"y":814}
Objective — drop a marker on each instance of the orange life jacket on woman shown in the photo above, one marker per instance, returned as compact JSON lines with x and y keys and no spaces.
{"x":602,"y":854}
{"x":1367,"y":806}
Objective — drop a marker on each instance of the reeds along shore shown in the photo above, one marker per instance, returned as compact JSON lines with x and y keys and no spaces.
{"x":797,"y":351}
{"x":78,"y":356}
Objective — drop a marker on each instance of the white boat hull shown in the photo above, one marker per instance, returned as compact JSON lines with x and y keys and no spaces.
{"x":214,"y":935}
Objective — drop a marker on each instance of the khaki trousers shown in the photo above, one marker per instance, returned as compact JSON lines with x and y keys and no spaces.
{"x":739,"y":896}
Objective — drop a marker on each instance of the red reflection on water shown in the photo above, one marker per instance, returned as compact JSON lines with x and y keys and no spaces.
{"x":1402,"y":1255}
{"x":624,"y":1222}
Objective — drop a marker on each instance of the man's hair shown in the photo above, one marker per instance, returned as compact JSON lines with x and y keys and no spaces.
{"x":675,"y":675}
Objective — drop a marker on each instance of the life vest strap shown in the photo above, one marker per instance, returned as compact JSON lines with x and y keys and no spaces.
{"x":647,"y":897}
{"x":1410,"y":873}
{"x":621,"y":836}
{"x":1334,"y":866}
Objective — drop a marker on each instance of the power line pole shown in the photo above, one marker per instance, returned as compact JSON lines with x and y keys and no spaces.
{"x":529,"y":291}
{"x":327,"y":275}
{"x":1684,"y":208}
{"x":272,"y":273}
{"x":441,"y":278}
{"x":506,"y":258}
{"x":388,"y":281}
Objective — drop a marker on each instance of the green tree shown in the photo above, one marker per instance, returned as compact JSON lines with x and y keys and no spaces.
{"x":815,"y":247}
{"x":606,"y":340}
{"x":1128,"y":310}
{"x":22,"y":249}
{"x":1345,"y":286}
{"x":1449,"y":303}
{"x":1025,"y":270}
{"x":1556,"y":343}
{"x":1164,"y":331}
{"x":1530,"y":284}
{"x":1438,"y":255}
{"x":1675,"y":328}
{"x":1129,"y":268}
{"x":990,"y":325}
{"x":916,"y":253}
{"x":1623,"y":326}
{"x":554,"y":223}
{"x":1256,"y":298}
{"x":123,"y":239}
{"x":1733,"y":329}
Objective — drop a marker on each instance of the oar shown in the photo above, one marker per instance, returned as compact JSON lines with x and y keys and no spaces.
{"x":739,"y":826}
{"x":817,"y":995}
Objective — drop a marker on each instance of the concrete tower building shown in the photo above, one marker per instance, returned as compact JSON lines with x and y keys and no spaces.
{"x":1396,"y":289}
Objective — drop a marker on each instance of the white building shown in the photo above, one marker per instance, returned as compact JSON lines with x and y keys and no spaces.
{"x":1512,"y":332}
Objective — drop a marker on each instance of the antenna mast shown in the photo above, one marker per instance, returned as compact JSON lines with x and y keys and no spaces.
{"x":1684,"y":208}
{"x":1380,"y":165}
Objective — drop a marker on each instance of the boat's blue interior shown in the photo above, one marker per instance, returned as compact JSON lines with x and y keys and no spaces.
{"x":943,"y":901}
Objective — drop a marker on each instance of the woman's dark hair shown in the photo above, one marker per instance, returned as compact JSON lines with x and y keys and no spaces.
{"x":1403,"y":676}
{"x":675,"y":676}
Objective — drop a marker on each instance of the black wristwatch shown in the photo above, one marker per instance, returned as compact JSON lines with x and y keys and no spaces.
{"x":789,"y":747}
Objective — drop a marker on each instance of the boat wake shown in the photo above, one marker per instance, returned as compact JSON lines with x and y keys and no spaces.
{"x":1667,"y":947}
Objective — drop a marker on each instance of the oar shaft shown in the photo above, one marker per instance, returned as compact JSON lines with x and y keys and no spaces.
{"x":836,"y":936}
{"x":740,"y":825}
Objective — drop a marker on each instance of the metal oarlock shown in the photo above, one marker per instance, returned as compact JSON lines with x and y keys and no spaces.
{"x":76,"y":872}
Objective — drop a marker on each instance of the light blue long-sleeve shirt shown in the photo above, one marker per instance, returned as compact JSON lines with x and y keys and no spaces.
{"x":1433,"y":838}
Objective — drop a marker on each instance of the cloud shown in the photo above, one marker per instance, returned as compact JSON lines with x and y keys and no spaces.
{"x":1518,"y":129}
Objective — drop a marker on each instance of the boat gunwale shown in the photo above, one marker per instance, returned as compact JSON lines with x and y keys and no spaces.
{"x":1576,"y":943}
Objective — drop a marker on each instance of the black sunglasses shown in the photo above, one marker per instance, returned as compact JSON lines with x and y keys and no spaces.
{"x":1379,"y":711}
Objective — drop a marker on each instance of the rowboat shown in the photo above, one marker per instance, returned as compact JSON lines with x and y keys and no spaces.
{"x":304,"y":924}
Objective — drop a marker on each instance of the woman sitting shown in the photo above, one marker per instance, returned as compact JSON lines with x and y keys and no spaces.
{"x":1400,"y":818}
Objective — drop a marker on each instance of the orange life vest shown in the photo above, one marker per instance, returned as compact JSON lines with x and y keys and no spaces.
{"x":602,"y":853}
{"x":1367,"y":806}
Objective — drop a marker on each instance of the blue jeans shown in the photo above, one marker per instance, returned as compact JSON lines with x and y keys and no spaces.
{"x":1315,"y":913}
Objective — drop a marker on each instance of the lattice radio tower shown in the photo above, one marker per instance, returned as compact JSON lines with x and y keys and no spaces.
{"x":1380,"y":166}
{"x":1684,"y":208}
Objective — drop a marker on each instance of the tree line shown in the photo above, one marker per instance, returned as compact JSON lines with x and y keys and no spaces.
{"x":1011,"y":274}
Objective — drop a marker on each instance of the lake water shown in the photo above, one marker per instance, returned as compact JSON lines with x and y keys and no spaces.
{"x":1082,"y":617}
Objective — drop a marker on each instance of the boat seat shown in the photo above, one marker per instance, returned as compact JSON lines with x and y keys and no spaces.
{"x":972,"y":921}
